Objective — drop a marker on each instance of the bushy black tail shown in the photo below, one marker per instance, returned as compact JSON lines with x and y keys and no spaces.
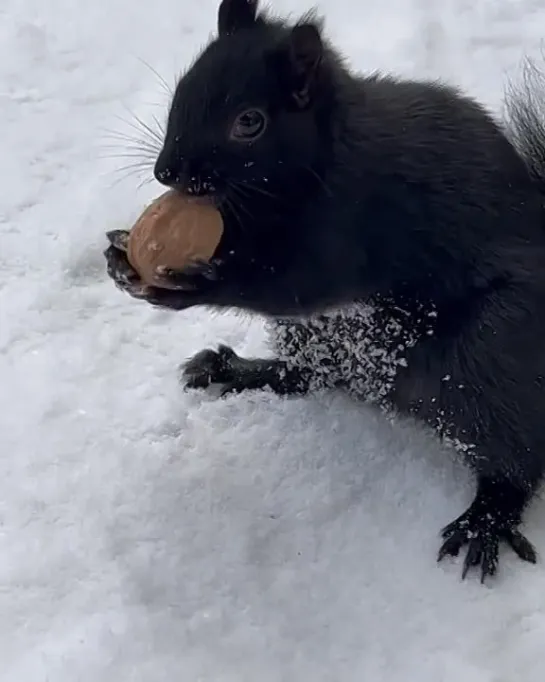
{"x":525,"y":105}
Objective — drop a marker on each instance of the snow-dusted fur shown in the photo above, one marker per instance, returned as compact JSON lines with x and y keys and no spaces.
{"x":354,"y":347}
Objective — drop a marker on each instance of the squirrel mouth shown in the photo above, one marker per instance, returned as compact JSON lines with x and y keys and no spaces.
{"x":216,"y":198}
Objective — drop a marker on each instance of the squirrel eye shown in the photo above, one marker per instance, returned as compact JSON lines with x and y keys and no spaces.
{"x":248,"y":126}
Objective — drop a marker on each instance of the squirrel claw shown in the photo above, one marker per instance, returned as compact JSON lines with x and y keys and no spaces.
{"x":173,"y":278}
{"x":482,"y":533}
{"x":119,"y":239}
{"x":208,"y":367}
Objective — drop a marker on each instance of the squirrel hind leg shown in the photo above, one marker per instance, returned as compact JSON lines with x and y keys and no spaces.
{"x":493,"y":518}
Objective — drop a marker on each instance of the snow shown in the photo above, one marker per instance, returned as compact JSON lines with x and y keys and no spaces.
{"x":151,"y":534}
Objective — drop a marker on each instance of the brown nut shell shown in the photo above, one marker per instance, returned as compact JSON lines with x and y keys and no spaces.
{"x":173,"y":231}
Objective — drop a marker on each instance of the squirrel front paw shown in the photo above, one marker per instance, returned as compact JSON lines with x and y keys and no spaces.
{"x":209,"y":367}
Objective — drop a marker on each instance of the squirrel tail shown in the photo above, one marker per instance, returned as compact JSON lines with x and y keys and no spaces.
{"x":525,"y":105}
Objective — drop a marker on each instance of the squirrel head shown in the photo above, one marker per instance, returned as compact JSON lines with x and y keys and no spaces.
{"x":248,"y":118}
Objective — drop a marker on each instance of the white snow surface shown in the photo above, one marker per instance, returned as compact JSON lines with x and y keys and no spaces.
{"x":149,"y":534}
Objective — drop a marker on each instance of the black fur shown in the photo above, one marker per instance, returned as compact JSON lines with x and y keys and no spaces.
{"x":394,"y":230}
{"x":236,"y":15}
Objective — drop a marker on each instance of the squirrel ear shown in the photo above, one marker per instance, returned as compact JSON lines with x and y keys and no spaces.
{"x":305,"y":56}
{"x":236,"y":14}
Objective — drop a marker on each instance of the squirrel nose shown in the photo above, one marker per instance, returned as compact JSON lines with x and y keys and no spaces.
{"x":188,"y":177}
{"x":164,"y":171}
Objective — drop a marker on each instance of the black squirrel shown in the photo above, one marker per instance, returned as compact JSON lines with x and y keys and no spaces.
{"x":392,"y":231}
